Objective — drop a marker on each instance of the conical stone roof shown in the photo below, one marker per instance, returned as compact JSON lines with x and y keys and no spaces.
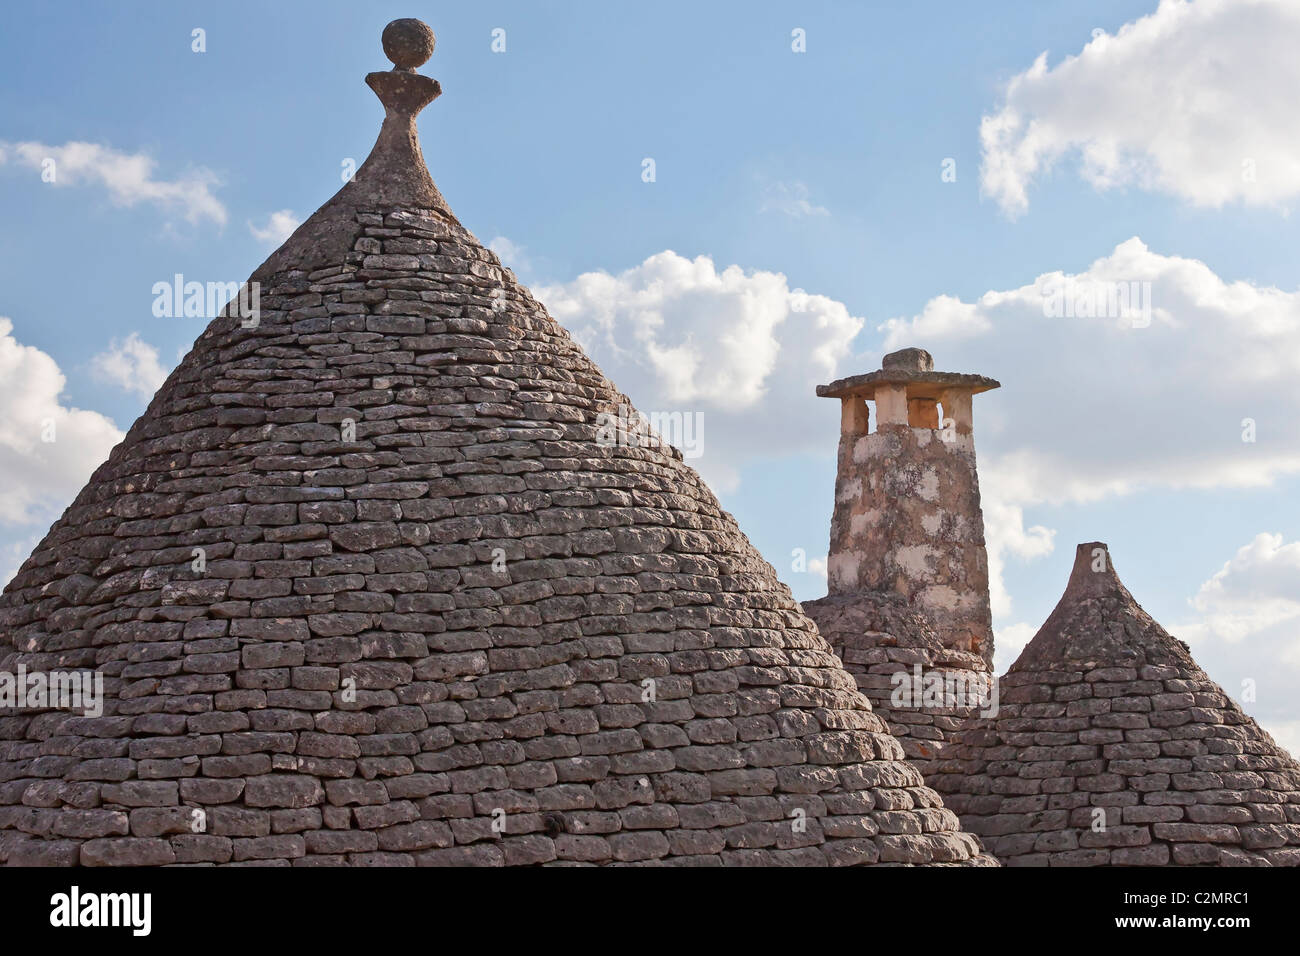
{"x":366,"y":586}
{"x":1112,"y":747}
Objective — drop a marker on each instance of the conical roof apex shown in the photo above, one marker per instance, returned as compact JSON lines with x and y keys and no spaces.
{"x":1097,"y":619}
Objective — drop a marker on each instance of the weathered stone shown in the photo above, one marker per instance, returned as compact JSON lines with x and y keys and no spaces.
{"x":907,"y":509}
{"x":127,"y":851}
{"x":283,"y":790}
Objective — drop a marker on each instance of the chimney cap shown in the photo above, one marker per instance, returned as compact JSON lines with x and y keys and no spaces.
{"x":913,"y":368}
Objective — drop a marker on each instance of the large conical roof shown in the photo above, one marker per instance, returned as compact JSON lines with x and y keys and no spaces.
{"x":1112,"y":747}
{"x":367,"y":585}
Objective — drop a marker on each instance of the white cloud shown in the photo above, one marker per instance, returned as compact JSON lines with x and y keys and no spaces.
{"x":1286,"y":733}
{"x":510,"y":253}
{"x":1195,"y":99}
{"x":1008,"y":641}
{"x":1006,"y":537}
{"x":1257,"y":590}
{"x":128,"y":177}
{"x":131,"y":365}
{"x":39,"y":477}
{"x":791,"y":199}
{"x":279,"y":227}
{"x":741,"y":348}
{"x":1094,"y":407}
{"x":1244,"y":632}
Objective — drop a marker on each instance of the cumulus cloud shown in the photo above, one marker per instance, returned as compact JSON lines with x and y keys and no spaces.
{"x":1008,"y":641}
{"x":279,"y":227}
{"x":1195,"y":99}
{"x":1142,"y":371}
{"x":1107,"y":394}
{"x":47,"y":450}
{"x":511,"y":254}
{"x":740,"y":350}
{"x":1257,"y":590}
{"x":1242,"y":626}
{"x":131,"y":365}
{"x":1197,"y":393}
{"x":1287,"y":734}
{"x":128,"y":177}
{"x":1006,"y":536}
{"x":790,"y":199}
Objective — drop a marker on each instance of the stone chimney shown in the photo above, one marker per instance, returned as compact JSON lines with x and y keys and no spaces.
{"x":907,"y":504}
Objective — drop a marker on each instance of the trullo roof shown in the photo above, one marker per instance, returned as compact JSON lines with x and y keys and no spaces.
{"x":1112,"y":747}
{"x":366,"y":586}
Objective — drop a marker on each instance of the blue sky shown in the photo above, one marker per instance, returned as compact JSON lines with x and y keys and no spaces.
{"x":822,"y":167}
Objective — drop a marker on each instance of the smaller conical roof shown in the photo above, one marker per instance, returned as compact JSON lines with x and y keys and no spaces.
{"x":1112,"y":747}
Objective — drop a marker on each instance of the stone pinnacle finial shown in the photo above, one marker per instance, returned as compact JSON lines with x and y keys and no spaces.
{"x":408,"y":43}
{"x":1093,"y":574}
{"x":394,"y":176}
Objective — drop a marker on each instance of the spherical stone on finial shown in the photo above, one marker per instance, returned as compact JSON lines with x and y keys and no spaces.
{"x":408,"y":43}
